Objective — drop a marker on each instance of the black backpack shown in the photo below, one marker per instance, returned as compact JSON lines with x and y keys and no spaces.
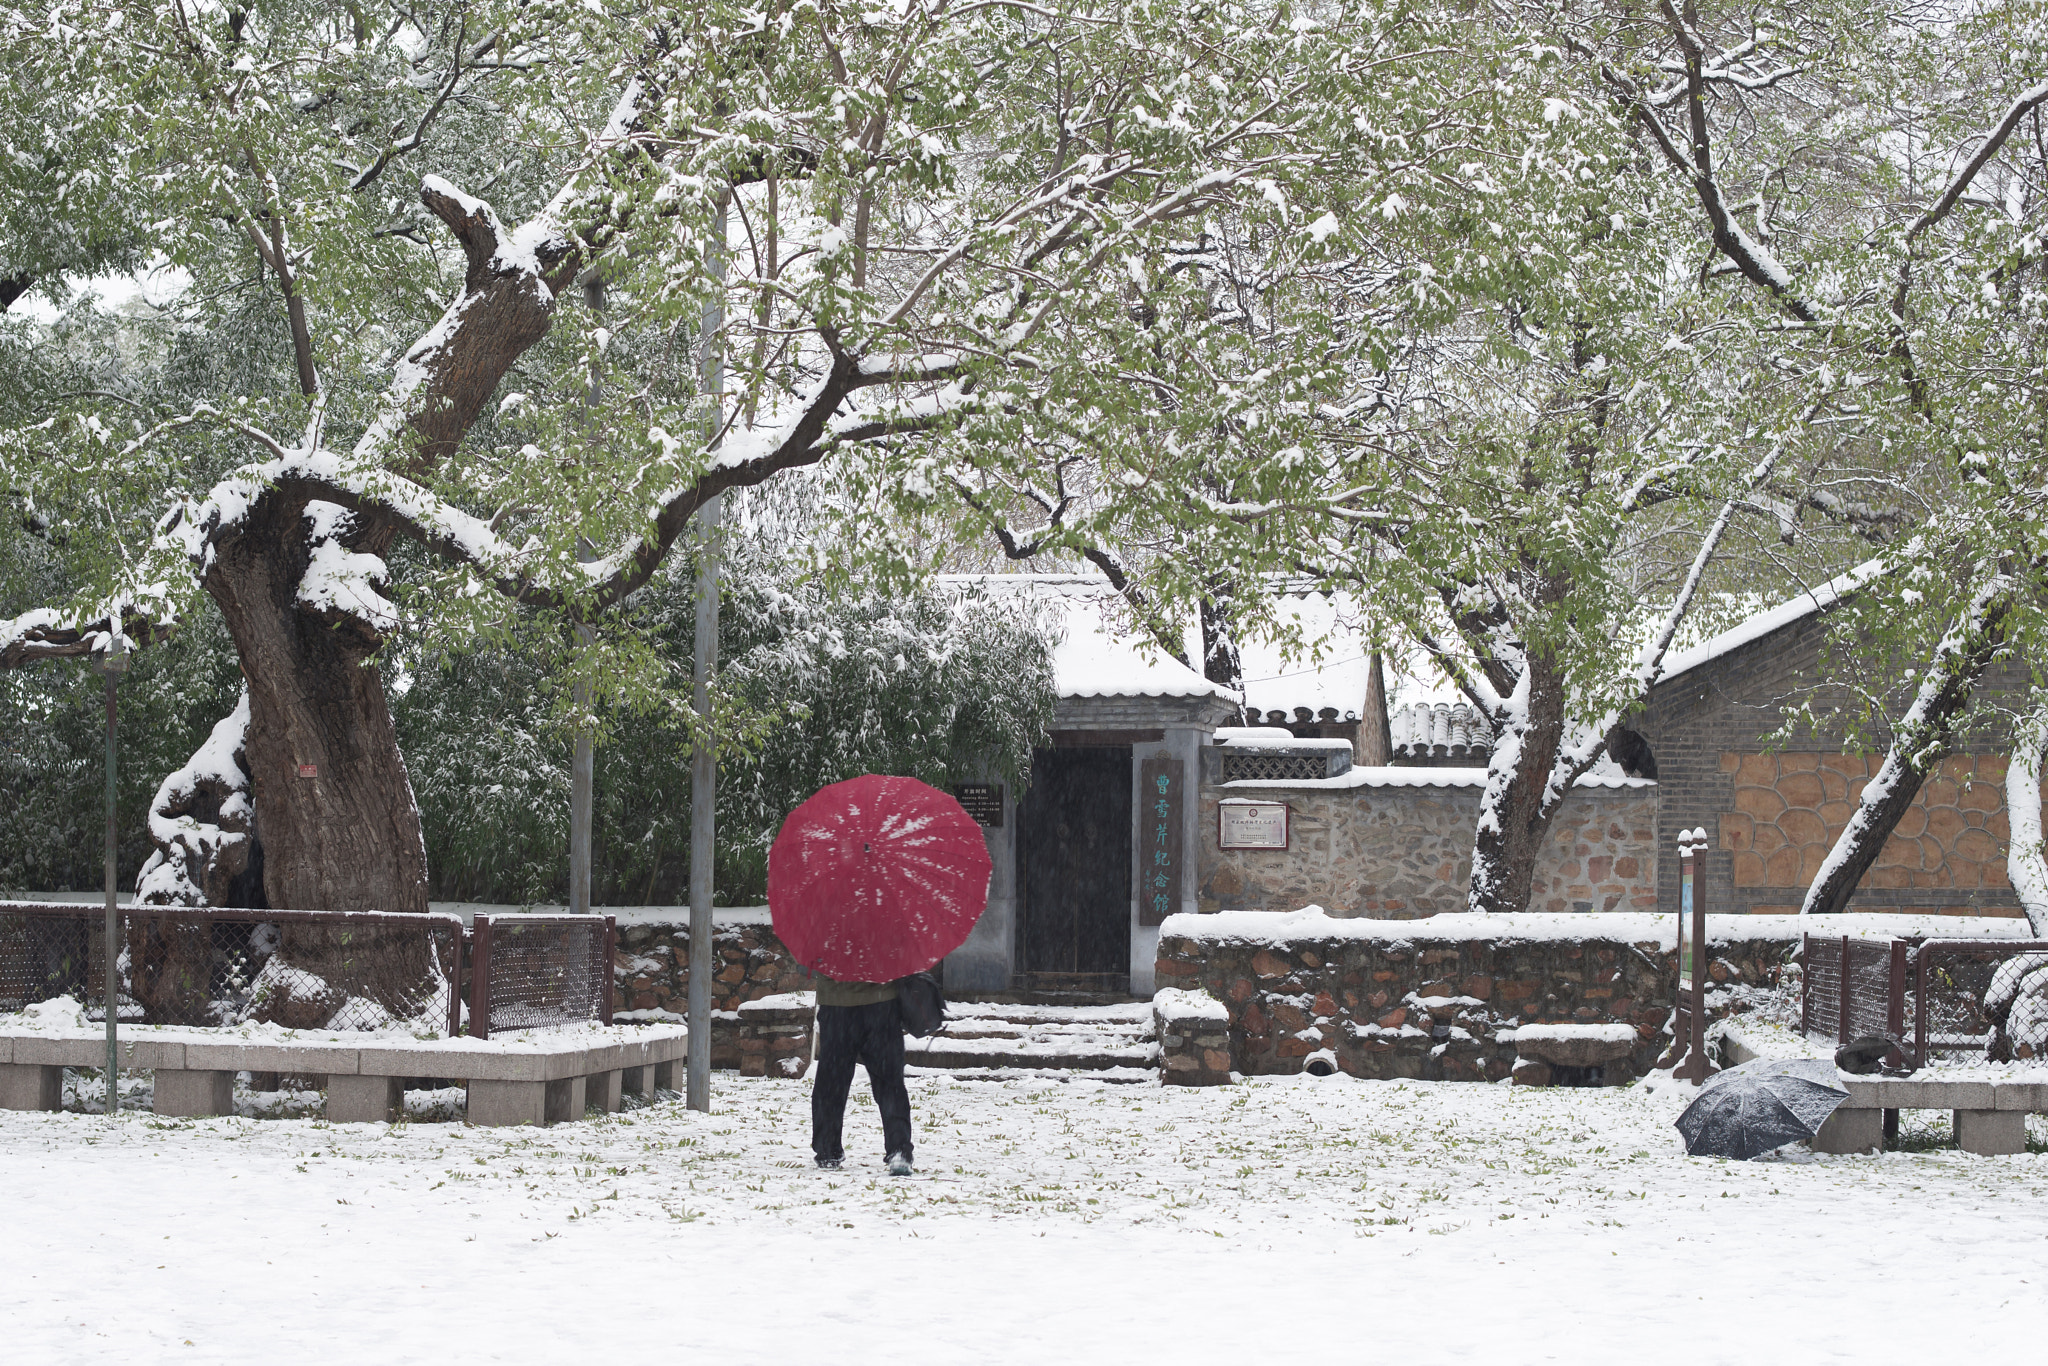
{"x":922,"y":1002}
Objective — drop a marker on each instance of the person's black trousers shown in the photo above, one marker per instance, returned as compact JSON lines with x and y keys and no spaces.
{"x":873,"y":1037}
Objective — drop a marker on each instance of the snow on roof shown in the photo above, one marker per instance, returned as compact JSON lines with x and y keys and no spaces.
{"x":1329,"y":668}
{"x":1096,"y":651}
{"x":1421,"y":776}
{"x":1763,"y":623}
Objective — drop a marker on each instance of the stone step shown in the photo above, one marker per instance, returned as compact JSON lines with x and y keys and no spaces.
{"x":1122,"y":1076}
{"x":1008,"y":1029}
{"x":1074,"y":1055}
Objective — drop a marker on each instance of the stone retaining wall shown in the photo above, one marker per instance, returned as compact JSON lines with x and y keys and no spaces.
{"x":775,"y":1035}
{"x":1194,"y":1038}
{"x":1393,"y":999}
{"x":1400,"y":851}
{"x":651,"y":977}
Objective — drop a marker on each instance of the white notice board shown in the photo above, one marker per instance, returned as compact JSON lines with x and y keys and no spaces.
{"x":1251,"y":825}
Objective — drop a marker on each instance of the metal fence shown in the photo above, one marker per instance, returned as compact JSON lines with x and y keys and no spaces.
{"x":1980,"y":996}
{"x":540,"y":971}
{"x":212,"y":966}
{"x":1936,"y":996}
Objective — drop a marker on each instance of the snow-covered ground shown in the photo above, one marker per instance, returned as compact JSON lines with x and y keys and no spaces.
{"x":1292,"y":1218}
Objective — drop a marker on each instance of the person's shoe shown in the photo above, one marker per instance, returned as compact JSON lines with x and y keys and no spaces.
{"x":899,"y":1165}
{"x":830,"y":1164}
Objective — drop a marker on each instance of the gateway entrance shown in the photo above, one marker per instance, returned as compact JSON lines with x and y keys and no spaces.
{"x":1074,"y":870}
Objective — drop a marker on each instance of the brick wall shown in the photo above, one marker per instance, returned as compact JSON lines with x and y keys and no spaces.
{"x":1773,"y":815}
{"x":1403,"y":852}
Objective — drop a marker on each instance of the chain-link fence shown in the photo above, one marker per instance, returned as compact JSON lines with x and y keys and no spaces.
{"x":540,"y":971}
{"x":210,"y":966}
{"x":1934,"y":997}
{"x":1980,"y":996}
{"x":1853,"y":989}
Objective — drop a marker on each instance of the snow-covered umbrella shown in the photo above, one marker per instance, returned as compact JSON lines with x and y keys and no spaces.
{"x":876,"y":878}
{"x":1760,"y":1105}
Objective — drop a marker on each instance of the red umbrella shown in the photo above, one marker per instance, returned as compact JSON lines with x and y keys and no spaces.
{"x":876,"y":878}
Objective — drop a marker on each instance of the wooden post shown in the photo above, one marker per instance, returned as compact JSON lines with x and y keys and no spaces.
{"x":1700,"y":1070}
{"x":1691,"y":997}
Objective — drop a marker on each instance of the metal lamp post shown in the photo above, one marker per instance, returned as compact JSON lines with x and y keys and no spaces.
{"x":704,"y":755}
{"x":112,"y":664}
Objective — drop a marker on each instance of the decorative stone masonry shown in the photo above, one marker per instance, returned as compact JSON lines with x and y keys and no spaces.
{"x":775,"y":1035}
{"x":651,"y":974}
{"x":1790,"y":808}
{"x":1194,"y":1037}
{"x":1445,"y":999}
{"x":1396,"y":844}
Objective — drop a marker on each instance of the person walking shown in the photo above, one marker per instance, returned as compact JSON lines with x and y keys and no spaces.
{"x":860,"y":1022}
{"x":872,"y":882}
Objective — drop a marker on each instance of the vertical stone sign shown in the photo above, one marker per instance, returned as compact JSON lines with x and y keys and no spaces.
{"x":1162,"y":785}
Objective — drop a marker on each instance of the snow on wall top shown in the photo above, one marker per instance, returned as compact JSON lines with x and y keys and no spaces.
{"x":1095,"y":652}
{"x":1634,"y":927}
{"x":1176,"y":1003}
{"x":1599,"y":1033}
{"x":623,"y":915}
{"x":1404,"y":776}
{"x":1272,"y":738}
{"x":1763,"y":623}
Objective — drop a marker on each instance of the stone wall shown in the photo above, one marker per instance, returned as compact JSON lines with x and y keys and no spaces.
{"x":1194,"y":1038}
{"x":1711,"y":730}
{"x":651,"y":976}
{"x":1790,"y":808}
{"x":1397,"y":844}
{"x":775,"y":1035}
{"x":1438,"y":1001}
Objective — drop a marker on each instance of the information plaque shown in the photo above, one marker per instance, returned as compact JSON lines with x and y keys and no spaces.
{"x":1251,"y":825}
{"x":983,"y":801}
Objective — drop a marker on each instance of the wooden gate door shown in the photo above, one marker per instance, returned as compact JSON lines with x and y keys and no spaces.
{"x":1074,"y":868}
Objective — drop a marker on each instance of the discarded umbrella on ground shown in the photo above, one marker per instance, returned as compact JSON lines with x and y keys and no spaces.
{"x":1759,"y":1106}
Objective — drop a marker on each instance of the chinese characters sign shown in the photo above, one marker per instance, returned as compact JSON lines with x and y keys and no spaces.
{"x":1251,"y":825}
{"x":983,"y":801}
{"x":1162,"y":796}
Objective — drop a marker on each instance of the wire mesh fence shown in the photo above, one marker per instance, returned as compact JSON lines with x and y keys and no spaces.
{"x":209,"y":966}
{"x":540,"y":971}
{"x":1978,"y":996}
{"x":1936,"y":997}
{"x":1820,"y":999}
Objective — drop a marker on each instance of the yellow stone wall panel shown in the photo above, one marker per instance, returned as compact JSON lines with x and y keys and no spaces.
{"x":1756,"y":770}
{"x":1803,"y":827}
{"x":1760,"y":802}
{"x":1801,"y":789}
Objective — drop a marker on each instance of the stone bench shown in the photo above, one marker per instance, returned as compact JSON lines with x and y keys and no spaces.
{"x":528,"y":1082}
{"x":1990,"y":1116}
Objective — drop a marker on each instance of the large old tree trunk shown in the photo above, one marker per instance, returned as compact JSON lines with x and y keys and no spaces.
{"x":334,"y":806}
{"x":340,"y":829}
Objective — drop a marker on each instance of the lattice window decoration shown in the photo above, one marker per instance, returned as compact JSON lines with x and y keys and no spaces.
{"x":1274,"y":768}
